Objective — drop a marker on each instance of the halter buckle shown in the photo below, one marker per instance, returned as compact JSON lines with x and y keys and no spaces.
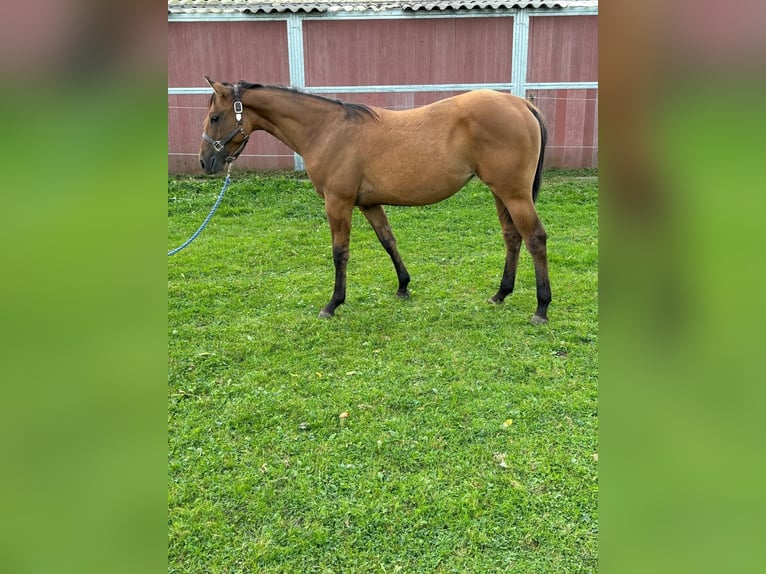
{"x":218,"y":146}
{"x":238,"y":110}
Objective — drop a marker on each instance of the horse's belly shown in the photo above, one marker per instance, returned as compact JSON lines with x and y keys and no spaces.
{"x":404,"y":187}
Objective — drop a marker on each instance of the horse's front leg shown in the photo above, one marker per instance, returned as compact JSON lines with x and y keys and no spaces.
{"x":377,"y":218}
{"x":339,"y":218}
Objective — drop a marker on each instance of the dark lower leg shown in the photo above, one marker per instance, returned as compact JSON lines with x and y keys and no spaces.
{"x":379,"y":222}
{"x":340,"y":259}
{"x":401,"y":271}
{"x":537,"y":247}
{"x":513,"y":245}
{"x":509,"y":273}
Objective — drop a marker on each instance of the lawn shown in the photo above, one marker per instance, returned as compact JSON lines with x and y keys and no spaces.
{"x":435,"y":434}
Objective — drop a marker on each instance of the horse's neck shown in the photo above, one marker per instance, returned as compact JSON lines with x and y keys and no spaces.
{"x":292,"y":118}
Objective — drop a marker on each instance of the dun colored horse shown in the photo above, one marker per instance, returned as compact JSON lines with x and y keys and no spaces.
{"x":368,"y":157}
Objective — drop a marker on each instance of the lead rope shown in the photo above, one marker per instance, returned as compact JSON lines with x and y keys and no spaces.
{"x":209,"y":215}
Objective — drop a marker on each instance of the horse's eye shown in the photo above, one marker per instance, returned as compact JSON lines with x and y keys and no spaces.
{"x":214,"y":118}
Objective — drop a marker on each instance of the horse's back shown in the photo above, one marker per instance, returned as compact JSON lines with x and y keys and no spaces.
{"x":467,"y":125}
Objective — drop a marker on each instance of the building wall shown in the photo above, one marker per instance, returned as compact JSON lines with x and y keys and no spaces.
{"x":565,"y":49}
{"x":572,"y":118}
{"x":412,"y":52}
{"x":391,"y":62}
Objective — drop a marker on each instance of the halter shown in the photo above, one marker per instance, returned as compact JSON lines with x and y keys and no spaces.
{"x":218,"y":145}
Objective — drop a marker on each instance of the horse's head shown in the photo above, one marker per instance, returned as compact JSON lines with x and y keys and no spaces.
{"x":223,"y":132}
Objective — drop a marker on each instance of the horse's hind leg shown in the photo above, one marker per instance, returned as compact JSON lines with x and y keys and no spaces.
{"x":531,"y":228}
{"x":512,"y":247}
{"x":377,"y":218}
{"x":524,"y":217}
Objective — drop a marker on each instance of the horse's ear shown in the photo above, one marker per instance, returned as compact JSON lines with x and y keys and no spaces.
{"x":217,"y":88}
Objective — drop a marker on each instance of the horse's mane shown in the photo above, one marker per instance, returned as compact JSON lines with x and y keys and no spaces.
{"x":353,"y":111}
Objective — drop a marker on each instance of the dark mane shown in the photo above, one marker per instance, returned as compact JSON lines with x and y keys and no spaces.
{"x":353,"y":111}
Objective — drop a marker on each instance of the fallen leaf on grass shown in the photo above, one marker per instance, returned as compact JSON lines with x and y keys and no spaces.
{"x":507,"y":423}
{"x":499,"y":458}
{"x":343,"y":416}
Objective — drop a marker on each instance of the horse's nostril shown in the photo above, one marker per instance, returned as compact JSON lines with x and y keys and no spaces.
{"x":202,"y":163}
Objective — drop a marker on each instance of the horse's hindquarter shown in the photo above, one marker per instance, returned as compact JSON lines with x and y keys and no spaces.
{"x":505,"y":139}
{"x":427,"y":154}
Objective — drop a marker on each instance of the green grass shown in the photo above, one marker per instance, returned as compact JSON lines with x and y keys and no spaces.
{"x":422,"y":475}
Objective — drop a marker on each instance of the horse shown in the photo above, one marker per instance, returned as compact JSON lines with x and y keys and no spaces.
{"x":367,"y":157}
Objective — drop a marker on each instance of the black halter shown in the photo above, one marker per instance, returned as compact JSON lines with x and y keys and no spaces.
{"x":218,"y":145}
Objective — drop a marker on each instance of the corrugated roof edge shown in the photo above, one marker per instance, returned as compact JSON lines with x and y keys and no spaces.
{"x":294,"y":6}
{"x":265,"y":7}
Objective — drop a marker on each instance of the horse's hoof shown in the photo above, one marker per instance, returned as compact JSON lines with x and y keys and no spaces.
{"x":537,"y":320}
{"x":325,"y":314}
{"x":494,"y":300}
{"x":403,"y":294}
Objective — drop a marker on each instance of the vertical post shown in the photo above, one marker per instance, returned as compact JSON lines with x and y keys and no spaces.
{"x":296,"y":62}
{"x":520,"y":52}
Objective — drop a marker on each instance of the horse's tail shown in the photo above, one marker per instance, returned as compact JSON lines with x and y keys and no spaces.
{"x":543,"y":142}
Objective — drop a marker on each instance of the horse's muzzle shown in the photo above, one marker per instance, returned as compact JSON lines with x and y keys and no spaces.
{"x":211,"y":164}
{"x":211,"y":157}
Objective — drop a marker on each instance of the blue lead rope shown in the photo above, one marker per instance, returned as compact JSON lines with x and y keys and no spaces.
{"x":209,"y":215}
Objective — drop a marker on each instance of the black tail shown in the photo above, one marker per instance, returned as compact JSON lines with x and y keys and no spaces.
{"x":543,"y":142}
